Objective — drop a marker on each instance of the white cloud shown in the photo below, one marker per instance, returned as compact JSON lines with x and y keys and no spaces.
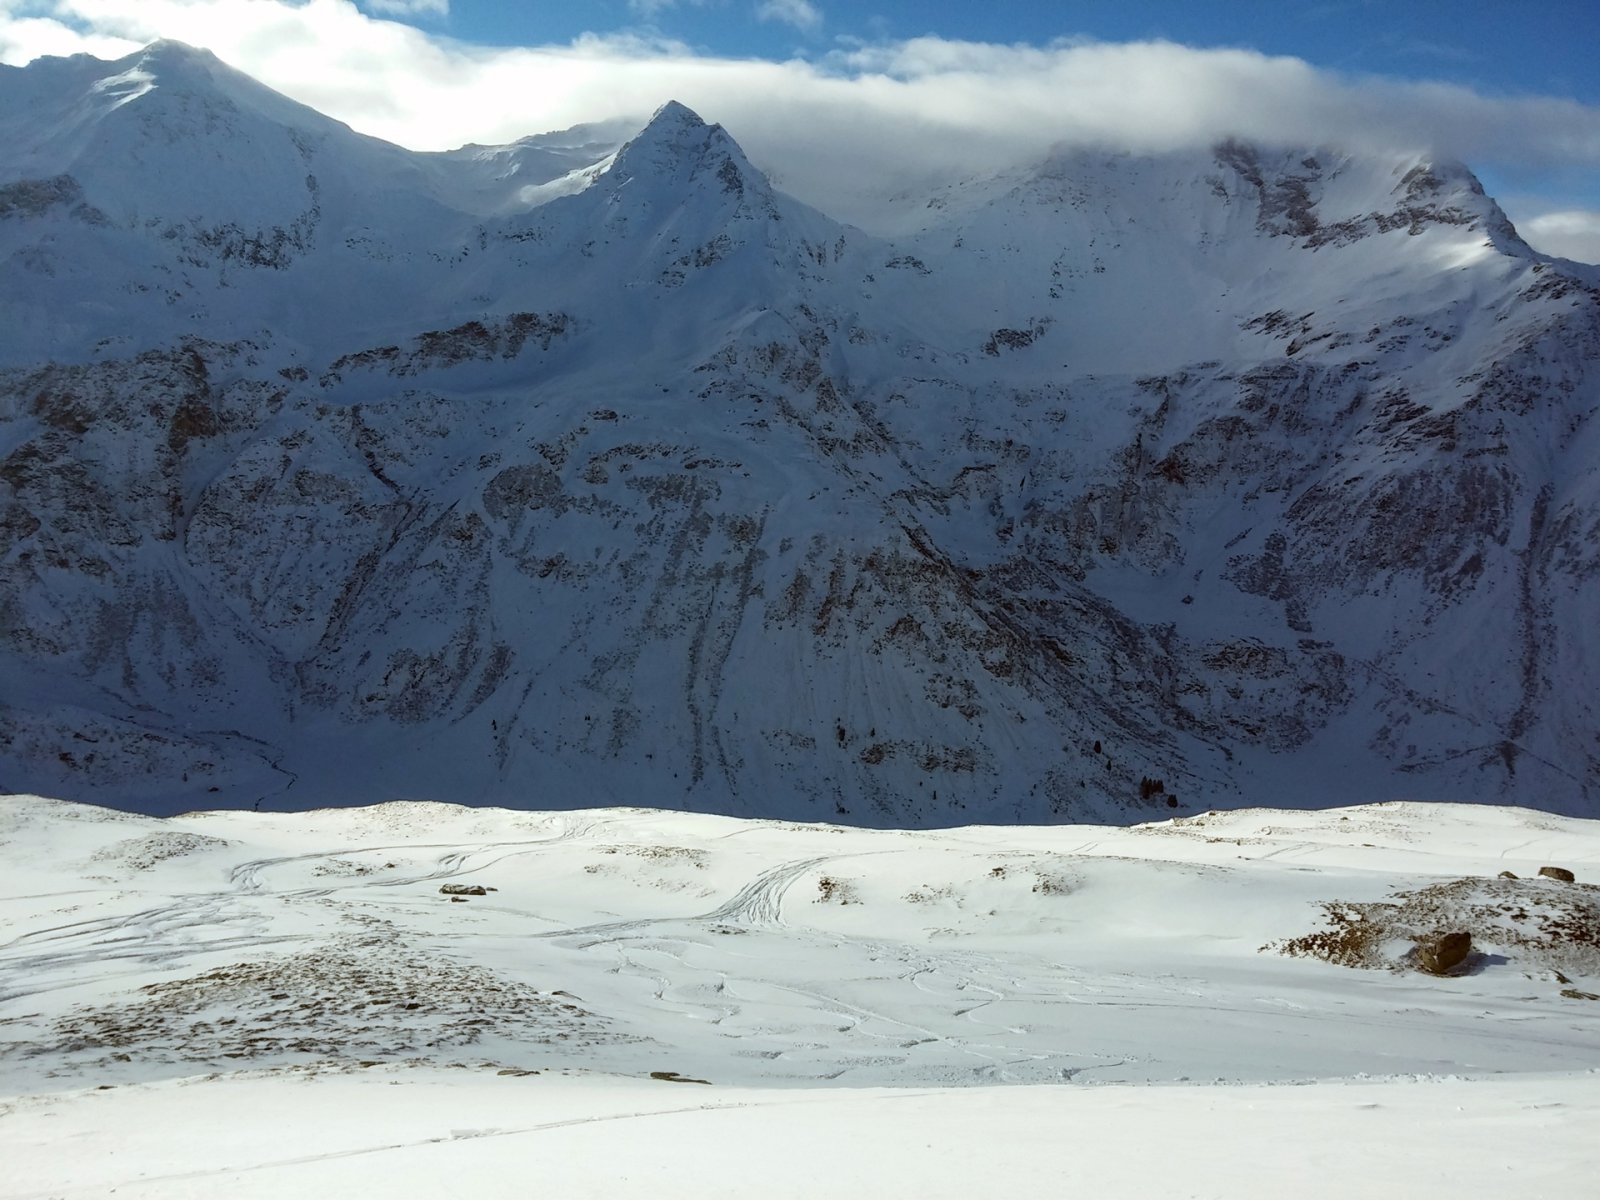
{"x":29,"y":28}
{"x":410,"y":8}
{"x":650,"y":9}
{"x":1572,"y":234}
{"x":23,"y":39}
{"x":802,"y":14}
{"x":827,"y":129}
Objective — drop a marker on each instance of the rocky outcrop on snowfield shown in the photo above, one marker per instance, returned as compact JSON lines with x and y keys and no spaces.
{"x":556,"y":476}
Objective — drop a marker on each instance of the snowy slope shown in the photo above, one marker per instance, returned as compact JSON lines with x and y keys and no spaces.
{"x":362,"y":1136}
{"x":271,"y":976}
{"x":565,"y":474}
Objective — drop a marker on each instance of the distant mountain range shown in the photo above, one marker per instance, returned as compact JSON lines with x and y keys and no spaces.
{"x":573,"y":473}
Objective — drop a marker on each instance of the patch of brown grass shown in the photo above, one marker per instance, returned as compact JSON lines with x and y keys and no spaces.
{"x":1535,"y":923}
{"x":836,"y":891}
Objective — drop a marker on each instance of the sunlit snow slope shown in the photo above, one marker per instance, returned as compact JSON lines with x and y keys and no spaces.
{"x":561,"y":474}
{"x":629,"y":1002}
{"x":628,"y":941}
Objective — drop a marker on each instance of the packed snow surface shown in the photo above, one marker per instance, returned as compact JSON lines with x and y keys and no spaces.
{"x":643,"y":1002}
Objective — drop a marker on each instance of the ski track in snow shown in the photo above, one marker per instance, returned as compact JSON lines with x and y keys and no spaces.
{"x":957,"y":956}
{"x":176,"y":931}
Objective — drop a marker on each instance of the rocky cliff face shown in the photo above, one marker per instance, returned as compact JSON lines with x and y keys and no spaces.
{"x":331,"y":473}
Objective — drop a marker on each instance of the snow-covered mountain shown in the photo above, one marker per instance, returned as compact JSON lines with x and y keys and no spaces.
{"x":564,"y":474}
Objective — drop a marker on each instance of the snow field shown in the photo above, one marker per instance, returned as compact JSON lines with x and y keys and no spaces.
{"x":861,"y":1005}
{"x":428,"y":1133}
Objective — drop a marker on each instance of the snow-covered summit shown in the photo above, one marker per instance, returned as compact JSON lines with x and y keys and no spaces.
{"x":75,"y":114}
{"x":678,"y":153}
{"x":672,"y":118}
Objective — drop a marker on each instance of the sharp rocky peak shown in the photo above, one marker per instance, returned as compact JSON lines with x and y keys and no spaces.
{"x":678,"y":142}
{"x":675,"y":114}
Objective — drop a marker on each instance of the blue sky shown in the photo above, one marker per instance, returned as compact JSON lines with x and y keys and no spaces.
{"x":829,"y":97}
{"x":1549,"y":47}
{"x":1497,"y":48}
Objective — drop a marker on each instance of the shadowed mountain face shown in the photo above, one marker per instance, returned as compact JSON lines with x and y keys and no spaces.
{"x":562,"y":474}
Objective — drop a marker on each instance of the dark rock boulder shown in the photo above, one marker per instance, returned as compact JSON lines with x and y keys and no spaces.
{"x":1442,"y":954}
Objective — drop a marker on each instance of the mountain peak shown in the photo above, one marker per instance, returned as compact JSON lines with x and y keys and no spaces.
{"x":678,"y":125}
{"x":172,"y":50}
{"x":168,"y":66}
{"x":169,"y":61}
{"x":678,"y":144}
{"x":673,"y":114}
